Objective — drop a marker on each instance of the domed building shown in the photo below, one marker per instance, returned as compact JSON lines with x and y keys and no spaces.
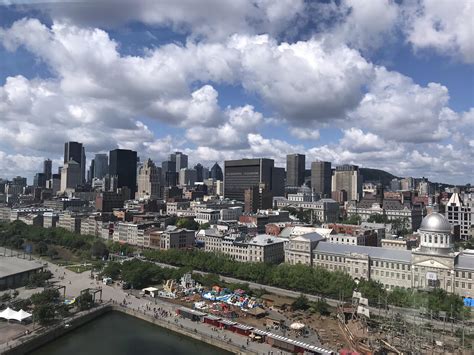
{"x":433,"y":261}
{"x":434,"y":264}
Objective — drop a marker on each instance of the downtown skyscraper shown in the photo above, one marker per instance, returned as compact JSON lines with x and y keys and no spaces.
{"x":75,"y":151}
{"x":123,"y":165}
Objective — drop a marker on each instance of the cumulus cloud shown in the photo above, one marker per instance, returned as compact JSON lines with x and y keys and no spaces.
{"x":397,"y":108}
{"x":445,"y":26}
{"x":305,"y":133}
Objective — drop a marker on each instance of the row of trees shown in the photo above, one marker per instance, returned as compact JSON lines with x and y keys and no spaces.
{"x":18,"y":235}
{"x":306,"y":279}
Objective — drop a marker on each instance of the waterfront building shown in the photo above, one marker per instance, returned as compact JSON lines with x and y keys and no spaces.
{"x":434,"y":264}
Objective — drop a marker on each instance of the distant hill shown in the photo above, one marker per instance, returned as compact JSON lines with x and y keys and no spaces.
{"x":377,"y":175}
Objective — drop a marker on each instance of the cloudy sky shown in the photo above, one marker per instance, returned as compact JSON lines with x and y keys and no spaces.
{"x":382,"y":84}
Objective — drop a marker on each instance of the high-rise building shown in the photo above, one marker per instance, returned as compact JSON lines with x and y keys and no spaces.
{"x":180,"y":159}
{"x":90,"y":172}
{"x":460,"y":213}
{"x":407,"y":184}
{"x":240,"y":175}
{"x":149,"y":177}
{"x":395,"y":185}
{"x":70,"y":175}
{"x":347,"y":177}
{"x":321,"y":178}
{"x":199,"y":168}
{"x":278,"y":181}
{"x":75,"y":151}
{"x":257,"y":198}
{"x":101,"y":165}
{"x":216,"y":172}
{"x":187,"y":177}
{"x":19,"y":181}
{"x":169,"y":175}
{"x":123,"y":164}
{"x":295,"y":168}
{"x":47,"y":168}
{"x":39,"y":180}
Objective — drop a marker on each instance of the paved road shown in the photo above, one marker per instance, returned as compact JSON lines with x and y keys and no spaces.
{"x":76,"y":282}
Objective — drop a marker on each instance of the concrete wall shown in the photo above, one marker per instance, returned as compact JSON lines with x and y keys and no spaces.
{"x":36,"y":340}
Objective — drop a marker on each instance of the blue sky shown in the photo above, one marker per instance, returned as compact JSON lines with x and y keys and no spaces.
{"x":386,"y":85}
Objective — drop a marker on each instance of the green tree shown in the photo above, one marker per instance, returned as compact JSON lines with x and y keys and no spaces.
{"x":43,"y":314}
{"x":301,"y":303}
{"x":99,"y":249}
{"x":378,"y":218}
{"x":85,"y":301}
{"x":112,"y":270}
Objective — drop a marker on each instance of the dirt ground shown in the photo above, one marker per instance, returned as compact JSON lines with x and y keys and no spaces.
{"x":11,"y":330}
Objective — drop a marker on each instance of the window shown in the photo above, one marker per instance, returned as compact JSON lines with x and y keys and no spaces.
{"x":463,"y":285}
{"x":463,"y":275}
{"x":356,"y":270}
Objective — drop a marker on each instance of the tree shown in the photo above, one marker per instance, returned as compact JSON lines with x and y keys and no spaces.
{"x":301,"y":303}
{"x":99,"y":249}
{"x":41,"y":248}
{"x":378,"y":218}
{"x":85,"y":301}
{"x":187,"y":224}
{"x":354,"y":219}
{"x":112,"y":270}
{"x":43,"y":314}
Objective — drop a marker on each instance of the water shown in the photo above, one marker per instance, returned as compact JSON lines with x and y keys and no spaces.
{"x":116,"y":333}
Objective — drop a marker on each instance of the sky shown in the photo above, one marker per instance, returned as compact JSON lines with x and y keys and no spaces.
{"x":381,"y":84}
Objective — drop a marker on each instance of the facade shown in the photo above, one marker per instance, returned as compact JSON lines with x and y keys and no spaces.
{"x":325,"y":210}
{"x":216,"y":173}
{"x":169,"y":174}
{"x":261,"y":248}
{"x":107,"y":201}
{"x":101,"y":166}
{"x":172,"y":208}
{"x":47,"y":169}
{"x":434,"y":264}
{"x":187,"y":177}
{"x":231,"y":213}
{"x":295,"y":169}
{"x":123,"y":165}
{"x":180,"y":159}
{"x":207,"y":216}
{"x":321,"y":178}
{"x":177,"y":239}
{"x":299,"y":249}
{"x":278,"y":181}
{"x":70,"y":222}
{"x":70,"y":175}
{"x":50,"y":219}
{"x":460,"y":212}
{"x":240,"y":175}
{"x":149,"y":177}
{"x":75,"y":151}
{"x":347,"y":177}
{"x":411,"y":215}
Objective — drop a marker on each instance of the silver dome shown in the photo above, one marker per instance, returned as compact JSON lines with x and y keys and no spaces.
{"x":435,"y":222}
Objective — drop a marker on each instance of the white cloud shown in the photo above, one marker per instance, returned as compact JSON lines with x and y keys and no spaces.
{"x":445,"y":26}
{"x":397,"y":108}
{"x":305,"y":133}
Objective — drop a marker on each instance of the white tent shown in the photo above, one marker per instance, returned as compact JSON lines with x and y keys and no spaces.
{"x":22,"y":315}
{"x":297,"y":326}
{"x":11,"y":314}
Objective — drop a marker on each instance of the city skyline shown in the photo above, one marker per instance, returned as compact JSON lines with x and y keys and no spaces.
{"x":381,"y":86}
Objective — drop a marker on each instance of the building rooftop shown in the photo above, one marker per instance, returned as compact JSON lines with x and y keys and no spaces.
{"x":465,"y":261}
{"x":373,"y":252}
{"x":311,"y":237}
{"x":265,"y":239}
{"x":13,"y":265}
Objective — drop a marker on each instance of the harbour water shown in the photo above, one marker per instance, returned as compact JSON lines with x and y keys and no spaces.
{"x":118,"y":334}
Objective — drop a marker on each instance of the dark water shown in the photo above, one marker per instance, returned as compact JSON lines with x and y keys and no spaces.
{"x":116,"y":333}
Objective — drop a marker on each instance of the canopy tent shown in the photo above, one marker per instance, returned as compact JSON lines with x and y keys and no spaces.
{"x":16,"y":315}
{"x":297,"y":326}
{"x":22,"y":315}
